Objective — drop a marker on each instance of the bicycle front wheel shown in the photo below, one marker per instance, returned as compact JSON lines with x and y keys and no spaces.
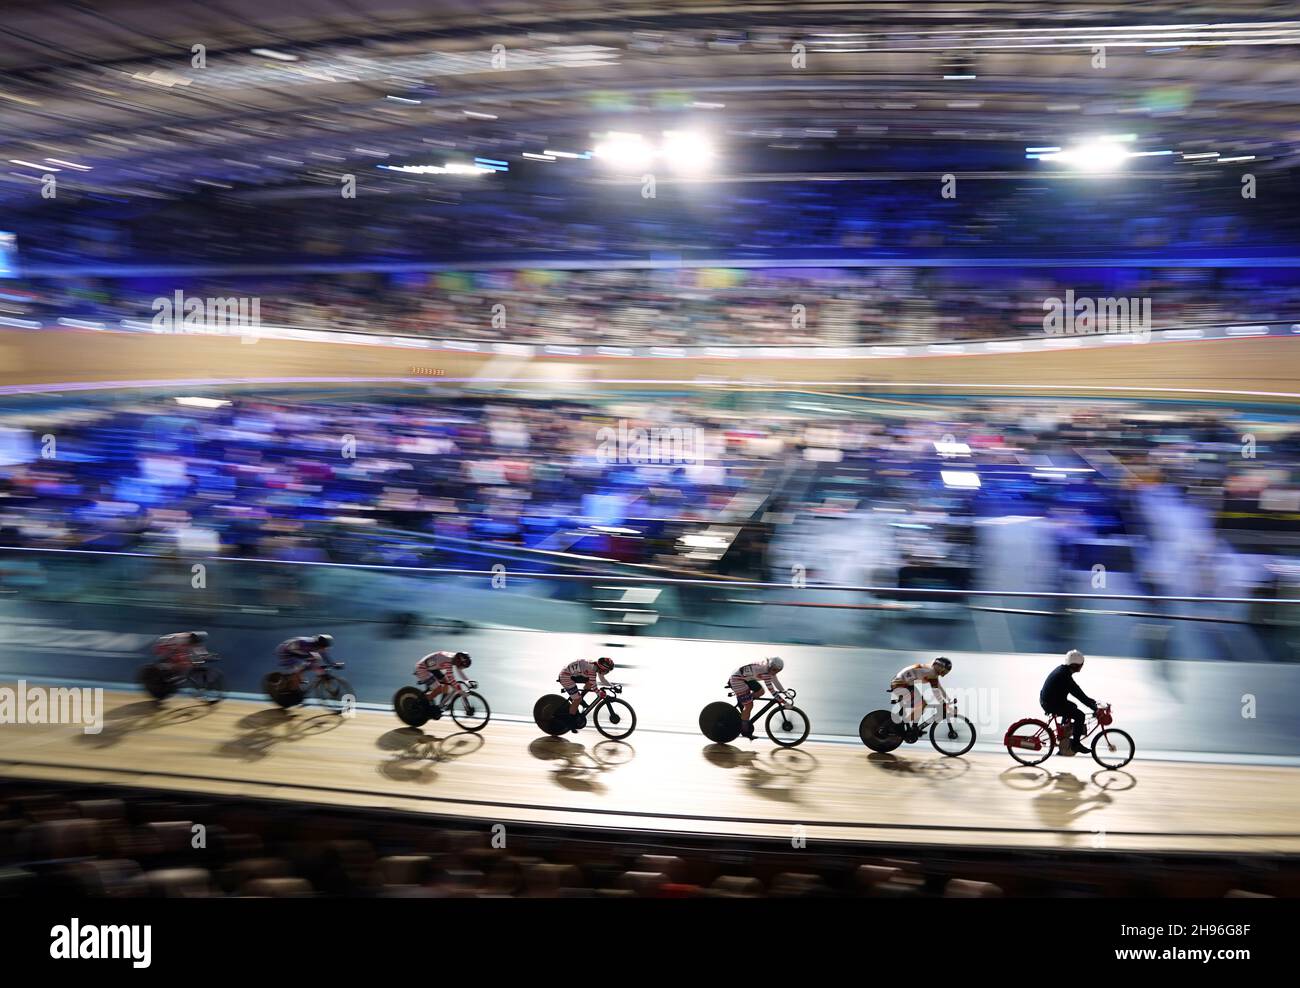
{"x":953,"y":736}
{"x":208,"y":684}
{"x":615,"y":719}
{"x":332,"y":691}
{"x":787,"y":726}
{"x":470,"y":711}
{"x":1113,"y":748}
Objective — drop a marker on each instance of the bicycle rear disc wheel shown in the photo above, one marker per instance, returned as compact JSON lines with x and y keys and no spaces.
{"x":547,"y":714}
{"x":411,"y":707}
{"x":156,"y":681}
{"x":1030,"y":741}
{"x":877,"y":731}
{"x":470,"y":711}
{"x":953,"y":736}
{"x":1113,"y":748}
{"x":720,"y":722}
{"x":787,"y":726}
{"x":615,"y":719}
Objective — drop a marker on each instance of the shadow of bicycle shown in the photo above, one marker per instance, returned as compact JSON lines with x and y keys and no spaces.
{"x":579,"y":768}
{"x":933,"y":768}
{"x":145,"y":715}
{"x":265,"y":730}
{"x":777,"y":775}
{"x":416,"y":755}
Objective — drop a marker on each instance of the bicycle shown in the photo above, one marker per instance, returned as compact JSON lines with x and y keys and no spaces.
{"x":468,"y":709}
{"x":720,"y":721}
{"x":951,"y":734}
{"x":160,"y":680}
{"x":332,"y":691}
{"x":1031,"y":741}
{"x":612,"y":715}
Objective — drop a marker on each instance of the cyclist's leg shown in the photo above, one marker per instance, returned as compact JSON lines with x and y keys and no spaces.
{"x":1077,"y":719}
{"x":753,"y":690}
{"x":575,"y":694}
{"x":744,"y":700}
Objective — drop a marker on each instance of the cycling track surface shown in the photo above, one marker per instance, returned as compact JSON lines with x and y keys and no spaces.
{"x":663,"y":781}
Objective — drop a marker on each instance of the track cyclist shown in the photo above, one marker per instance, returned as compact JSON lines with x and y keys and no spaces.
{"x":576,"y":679}
{"x":747,"y":684}
{"x":438,"y":671}
{"x":1055,"y":699}
{"x":906,"y":689}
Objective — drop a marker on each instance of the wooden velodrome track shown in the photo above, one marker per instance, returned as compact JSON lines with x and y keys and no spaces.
{"x":664,"y":782}
{"x":1264,"y":368}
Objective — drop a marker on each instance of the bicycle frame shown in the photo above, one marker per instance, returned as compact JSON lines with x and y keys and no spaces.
{"x":931,"y":713}
{"x":767,"y":702}
{"x":586,"y":707}
{"x":444,"y":699}
{"x":1090,"y":722}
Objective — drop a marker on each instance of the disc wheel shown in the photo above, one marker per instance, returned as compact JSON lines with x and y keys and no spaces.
{"x":720,"y":722}
{"x":411,"y":707}
{"x":156,"y":682}
{"x":548,"y":714}
{"x":877,"y":731}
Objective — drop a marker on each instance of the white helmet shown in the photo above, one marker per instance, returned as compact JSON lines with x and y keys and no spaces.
{"x":1075,"y":658}
{"x":776,"y":663}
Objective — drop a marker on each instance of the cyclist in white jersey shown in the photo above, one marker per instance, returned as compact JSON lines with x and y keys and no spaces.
{"x":906,"y":687}
{"x":746,"y":682}
{"x":438,"y":670}
{"x":584,"y":673}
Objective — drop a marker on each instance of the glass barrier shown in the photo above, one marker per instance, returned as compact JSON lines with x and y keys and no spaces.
{"x":156,"y":594}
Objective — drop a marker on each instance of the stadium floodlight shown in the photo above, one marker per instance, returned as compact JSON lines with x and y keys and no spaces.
{"x":1102,"y":154}
{"x":624,"y":152}
{"x":687,"y":151}
{"x":193,"y":402}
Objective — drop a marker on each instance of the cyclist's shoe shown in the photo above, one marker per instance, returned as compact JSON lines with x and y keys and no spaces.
{"x":747,"y":729}
{"x":911,"y":733}
{"x":435,"y":712}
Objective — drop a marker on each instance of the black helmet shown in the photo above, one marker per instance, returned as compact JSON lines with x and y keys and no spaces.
{"x":943,"y":664}
{"x":604,"y":663}
{"x":461,"y":659}
{"x":324,"y":641}
{"x":198,"y":637}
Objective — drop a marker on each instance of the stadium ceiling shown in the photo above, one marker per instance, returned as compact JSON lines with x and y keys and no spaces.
{"x":287,"y":96}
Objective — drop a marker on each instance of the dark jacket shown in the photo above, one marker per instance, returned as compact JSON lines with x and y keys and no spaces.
{"x":1059,"y":687}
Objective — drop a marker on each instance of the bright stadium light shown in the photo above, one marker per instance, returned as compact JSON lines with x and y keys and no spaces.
{"x":202,"y":402}
{"x":1101,"y":154}
{"x":687,"y":151}
{"x":624,"y":152}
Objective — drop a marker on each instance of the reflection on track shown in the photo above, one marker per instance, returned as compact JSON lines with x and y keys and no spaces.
{"x":670,"y":783}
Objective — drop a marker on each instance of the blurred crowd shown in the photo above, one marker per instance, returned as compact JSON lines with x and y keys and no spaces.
{"x":86,"y":844}
{"x":679,"y":306}
{"x":741,"y":485}
{"x":555,"y":217}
